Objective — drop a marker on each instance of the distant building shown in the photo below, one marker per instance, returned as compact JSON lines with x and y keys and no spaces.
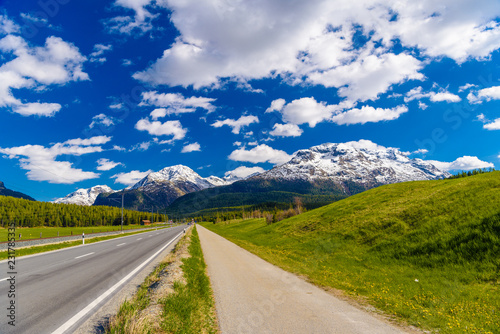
{"x":146,"y":222}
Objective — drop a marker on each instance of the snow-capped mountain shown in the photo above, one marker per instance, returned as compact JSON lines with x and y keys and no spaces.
{"x":84,"y":196}
{"x":180,"y":176}
{"x":362,"y":162}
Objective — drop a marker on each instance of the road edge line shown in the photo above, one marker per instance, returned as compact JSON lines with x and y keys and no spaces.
{"x":68,"y":324}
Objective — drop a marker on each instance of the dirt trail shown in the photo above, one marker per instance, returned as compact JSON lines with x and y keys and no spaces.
{"x":254,"y":296}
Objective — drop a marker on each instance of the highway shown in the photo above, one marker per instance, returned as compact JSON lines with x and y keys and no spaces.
{"x":56,"y":292}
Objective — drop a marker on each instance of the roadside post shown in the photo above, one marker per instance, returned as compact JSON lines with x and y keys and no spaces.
{"x":83,"y":237}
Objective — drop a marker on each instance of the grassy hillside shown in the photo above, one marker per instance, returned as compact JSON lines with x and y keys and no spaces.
{"x":427,"y":252}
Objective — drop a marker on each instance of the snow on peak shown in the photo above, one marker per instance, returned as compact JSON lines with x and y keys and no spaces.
{"x":359,"y":161}
{"x":84,"y":196}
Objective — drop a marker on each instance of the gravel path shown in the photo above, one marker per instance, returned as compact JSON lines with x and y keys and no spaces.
{"x":254,"y":296}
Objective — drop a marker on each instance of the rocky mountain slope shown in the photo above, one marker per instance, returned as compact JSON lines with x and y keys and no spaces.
{"x":84,"y":196}
{"x":159,"y":189}
{"x":7,"y":192}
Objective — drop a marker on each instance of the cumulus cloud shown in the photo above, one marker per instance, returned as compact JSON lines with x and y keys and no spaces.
{"x":106,"y":164}
{"x":276,"y":105}
{"x":486,"y":94}
{"x":157,"y":128}
{"x":131,"y":177}
{"x":191,"y":148}
{"x":286,"y":130}
{"x":262,"y":39}
{"x":463,"y":163}
{"x":442,"y":96}
{"x":7,"y":26}
{"x":55,"y":63}
{"x":368,"y":114}
{"x":306,"y":110}
{"x":236,"y":125}
{"x":41,"y":163}
{"x":495,"y":125}
{"x":261,"y":153}
{"x":370,"y":75}
{"x":243,"y":171}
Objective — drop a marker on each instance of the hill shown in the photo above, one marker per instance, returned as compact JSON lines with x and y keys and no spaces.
{"x":7,"y":192}
{"x":427,"y":251}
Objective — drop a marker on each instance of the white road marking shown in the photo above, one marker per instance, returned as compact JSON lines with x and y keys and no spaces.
{"x":78,"y":257}
{"x":99,"y":299}
{"x":121,"y":244}
{"x":139,"y":239}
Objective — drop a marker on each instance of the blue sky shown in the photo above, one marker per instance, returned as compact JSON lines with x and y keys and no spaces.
{"x":103,"y":92}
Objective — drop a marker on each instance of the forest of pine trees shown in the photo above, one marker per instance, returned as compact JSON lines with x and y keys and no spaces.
{"x":25,"y":213}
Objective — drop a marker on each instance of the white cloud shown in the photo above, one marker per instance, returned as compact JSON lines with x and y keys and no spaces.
{"x":495,"y":125}
{"x":56,"y":63}
{"x":41,"y":163}
{"x":368,"y":114}
{"x":191,"y":148}
{"x":106,"y":164}
{"x":116,"y":106}
{"x":7,"y":26}
{"x":442,"y":96}
{"x":97,"y":55}
{"x":261,"y":153}
{"x":157,"y":128}
{"x":102,"y":120}
{"x":422,"y":105}
{"x":286,"y":130}
{"x":486,"y":94}
{"x":466,"y":87}
{"x":236,"y":125}
{"x":243,"y":171}
{"x":370,"y":75}
{"x":276,"y":105}
{"x":463,"y":163}
{"x":131,"y":177}
{"x":40,"y":109}
{"x":306,"y":110}
{"x":127,"y":62}
{"x":137,"y":25}
{"x":176,"y":103}
{"x":144,"y":146}
{"x":257,"y":39}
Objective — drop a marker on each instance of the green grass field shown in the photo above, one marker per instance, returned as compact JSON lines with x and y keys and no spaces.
{"x":427,"y":253}
{"x":47,"y":232}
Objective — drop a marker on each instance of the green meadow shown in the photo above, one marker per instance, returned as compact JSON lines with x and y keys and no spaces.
{"x":425,"y":253}
{"x":48,"y":232}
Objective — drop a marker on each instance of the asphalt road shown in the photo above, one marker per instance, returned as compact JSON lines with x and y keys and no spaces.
{"x":58,"y":291}
{"x":253,"y":296}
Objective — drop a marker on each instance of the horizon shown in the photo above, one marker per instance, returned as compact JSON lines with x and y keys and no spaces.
{"x":105,"y":92}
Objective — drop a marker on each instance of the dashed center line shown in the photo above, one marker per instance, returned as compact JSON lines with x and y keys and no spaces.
{"x":121,"y":244}
{"x":139,"y":239}
{"x":78,"y":257}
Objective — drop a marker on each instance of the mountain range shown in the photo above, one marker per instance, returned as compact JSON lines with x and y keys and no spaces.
{"x":320,"y":174}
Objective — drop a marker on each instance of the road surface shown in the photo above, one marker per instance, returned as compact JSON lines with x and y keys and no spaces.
{"x":254,"y":296}
{"x":58,"y":291}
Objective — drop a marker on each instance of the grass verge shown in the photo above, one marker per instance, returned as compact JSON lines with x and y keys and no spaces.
{"x":47,"y":248}
{"x":425,"y":253}
{"x":186,"y":307}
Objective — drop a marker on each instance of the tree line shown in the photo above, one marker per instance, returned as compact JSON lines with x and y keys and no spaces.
{"x":25,"y":213}
{"x":471,"y":173}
